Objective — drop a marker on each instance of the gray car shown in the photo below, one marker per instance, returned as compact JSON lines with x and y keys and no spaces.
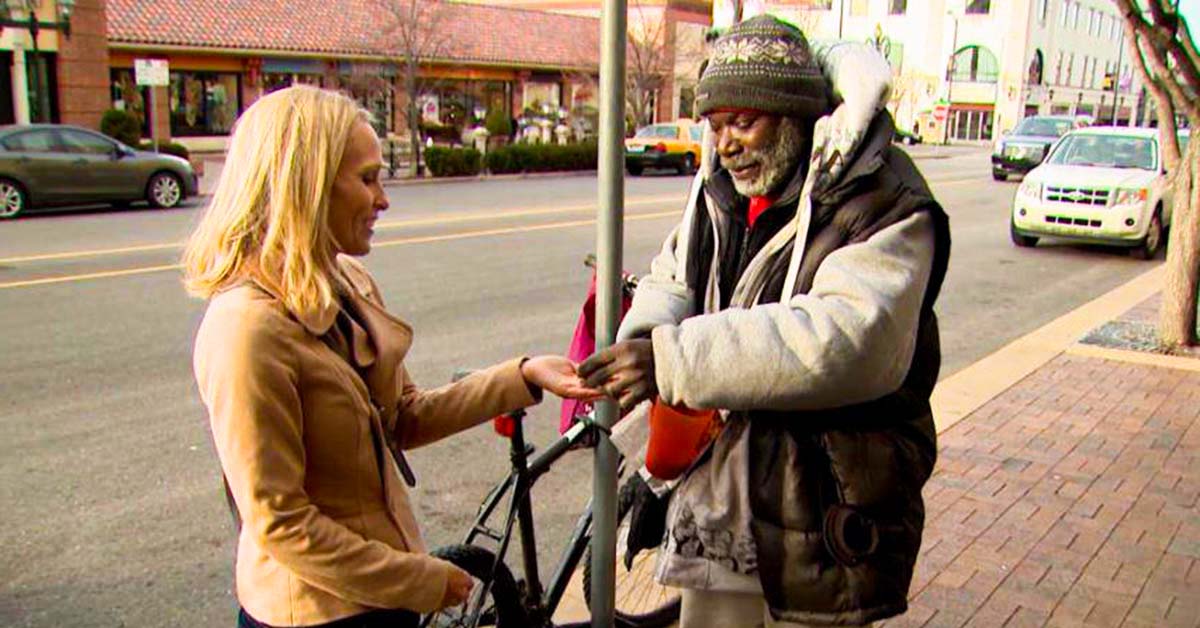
{"x":47,"y":165}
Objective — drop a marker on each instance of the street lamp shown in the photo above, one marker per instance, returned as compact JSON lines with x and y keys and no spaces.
{"x":9,"y":18}
{"x":950,"y":74}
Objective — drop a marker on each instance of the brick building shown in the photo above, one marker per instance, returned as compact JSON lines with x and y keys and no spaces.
{"x":225,"y":55}
{"x":668,"y":32}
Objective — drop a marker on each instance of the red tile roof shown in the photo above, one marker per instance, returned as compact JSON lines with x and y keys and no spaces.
{"x":474,"y":33}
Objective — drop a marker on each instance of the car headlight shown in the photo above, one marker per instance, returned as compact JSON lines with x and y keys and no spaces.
{"x":1132,"y":196}
{"x":1031,"y":189}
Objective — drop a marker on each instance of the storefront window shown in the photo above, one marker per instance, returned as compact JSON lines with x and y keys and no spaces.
{"x":275,"y":81}
{"x":454,"y":105}
{"x":128,"y":96}
{"x":539,"y":95}
{"x":204,"y":103}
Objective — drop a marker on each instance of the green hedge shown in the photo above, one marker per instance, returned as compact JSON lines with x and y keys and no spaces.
{"x":453,"y":162}
{"x":122,"y":126}
{"x":542,"y":158}
{"x":169,"y":148}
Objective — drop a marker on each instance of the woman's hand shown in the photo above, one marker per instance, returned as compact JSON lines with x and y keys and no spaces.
{"x":458,"y":587}
{"x":557,"y":375}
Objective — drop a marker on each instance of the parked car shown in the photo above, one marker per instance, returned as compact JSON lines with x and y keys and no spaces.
{"x":1101,"y":185}
{"x":46,"y":165}
{"x":671,"y":145}
{"x":1023,"y":149}
{"x":905,"y":137}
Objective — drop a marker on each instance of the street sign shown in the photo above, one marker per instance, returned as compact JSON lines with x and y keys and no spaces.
{"x":940,"y":112}
{"x":153,"y":72}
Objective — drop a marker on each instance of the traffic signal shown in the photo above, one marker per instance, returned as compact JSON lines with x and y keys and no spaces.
{"x":1109,"y":80}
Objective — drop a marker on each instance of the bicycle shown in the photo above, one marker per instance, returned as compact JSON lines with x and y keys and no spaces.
{"x":501,"y":600}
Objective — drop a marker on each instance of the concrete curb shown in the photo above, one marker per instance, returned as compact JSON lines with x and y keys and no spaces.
{"x":488,"y":177}
{"x":959,"y":395}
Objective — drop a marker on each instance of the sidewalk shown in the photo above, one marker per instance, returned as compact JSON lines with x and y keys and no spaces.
{"x":1070,"y":498}
{"x":1065,"y":492}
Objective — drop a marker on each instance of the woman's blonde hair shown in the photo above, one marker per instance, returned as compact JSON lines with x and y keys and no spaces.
{"x":267,"y":218}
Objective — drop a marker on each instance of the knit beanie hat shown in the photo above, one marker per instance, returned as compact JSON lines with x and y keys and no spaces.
{"x":763,"y":64}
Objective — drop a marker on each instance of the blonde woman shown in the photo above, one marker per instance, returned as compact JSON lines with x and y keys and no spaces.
{"x":301,"y":370}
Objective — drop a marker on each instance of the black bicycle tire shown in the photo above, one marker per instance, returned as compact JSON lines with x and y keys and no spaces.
{"x":660,"y":617}
{"x":478,"y":562}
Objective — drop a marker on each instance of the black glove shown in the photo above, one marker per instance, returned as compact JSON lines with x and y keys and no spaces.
{"x":647,"y":519}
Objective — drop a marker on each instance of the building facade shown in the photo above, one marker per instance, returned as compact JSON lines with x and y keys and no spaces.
{"x":971,"y":69}
{"x":59,"y":75}
{"x":666,"y":38}
{"x":223,"y":56}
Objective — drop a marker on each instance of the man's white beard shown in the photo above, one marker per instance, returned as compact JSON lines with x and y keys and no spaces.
{"x":777,"y":162}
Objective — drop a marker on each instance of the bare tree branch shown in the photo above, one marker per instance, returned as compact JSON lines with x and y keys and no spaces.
{"x":1163,"y":34}
{"x":647,"y":68}
{"x":415,"y":34}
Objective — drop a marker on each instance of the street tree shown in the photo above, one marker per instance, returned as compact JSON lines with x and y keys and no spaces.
{"x":647,"y":64}
{"x":416,"y":33}
{"x":1165,"y":55}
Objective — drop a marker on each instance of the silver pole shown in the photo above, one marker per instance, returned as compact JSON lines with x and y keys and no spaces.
{"x":608,"y":297}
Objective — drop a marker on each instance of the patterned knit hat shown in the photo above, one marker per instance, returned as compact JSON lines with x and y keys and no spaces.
{"x":763,"y":64}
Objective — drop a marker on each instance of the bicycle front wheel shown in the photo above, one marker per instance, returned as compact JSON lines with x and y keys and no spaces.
{"x":501,"y":609}
{"x":641,"y":602}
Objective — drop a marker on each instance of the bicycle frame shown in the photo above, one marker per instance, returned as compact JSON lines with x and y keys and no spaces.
{"x":539,"y":603}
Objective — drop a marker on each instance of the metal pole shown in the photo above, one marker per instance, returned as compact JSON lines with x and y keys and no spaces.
{"x":37,"y":69}
{"x":1117,"y":79}
{"x":950,"y":78}
{"x":841,"y":16}
{"x":608,"y":298}
{"x":153,"y":116}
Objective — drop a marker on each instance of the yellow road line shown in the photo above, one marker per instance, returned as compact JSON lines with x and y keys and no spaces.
{"x":91,"y":253}
{"x":398,"y":224}
{"x":385,"y":243}
{"x":103,"y":275}
{"x":393,"y":224}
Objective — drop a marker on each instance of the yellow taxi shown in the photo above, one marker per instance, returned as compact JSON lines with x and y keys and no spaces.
{"x":667,"y":145}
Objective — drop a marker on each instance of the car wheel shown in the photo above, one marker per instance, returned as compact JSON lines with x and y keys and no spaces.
{"x":1000,"y":175}
{"x":164,"y":190}
{"x":1022,"y":241}
{"x":689,"y":164}
{"x":634,"y":169}
{"x":1148,"y":249}
{"x":13,"y":199}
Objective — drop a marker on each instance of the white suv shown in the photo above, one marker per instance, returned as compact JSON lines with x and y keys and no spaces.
{"x":1102,"y":185}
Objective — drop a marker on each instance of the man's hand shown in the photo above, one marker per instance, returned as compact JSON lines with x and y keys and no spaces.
{"x":458,"y":587}
{"x":557,"y":375}
{"x":624,"y":371}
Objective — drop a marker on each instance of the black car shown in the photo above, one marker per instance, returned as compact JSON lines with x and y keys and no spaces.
{"x":1022,"y":150}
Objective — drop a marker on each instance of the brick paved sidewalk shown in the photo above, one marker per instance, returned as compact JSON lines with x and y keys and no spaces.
{"x":1069,"y":499}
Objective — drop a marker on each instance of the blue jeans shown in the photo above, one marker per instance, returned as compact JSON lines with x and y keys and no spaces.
{"x":384,"y":618}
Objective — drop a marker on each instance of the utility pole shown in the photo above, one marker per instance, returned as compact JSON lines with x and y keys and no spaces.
{"x":950,"y":76}
{"x":841,"y":16}
{"x":1117,"y":79}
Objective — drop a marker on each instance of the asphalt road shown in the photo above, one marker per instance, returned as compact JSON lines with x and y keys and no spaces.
{"x":110,"y":506}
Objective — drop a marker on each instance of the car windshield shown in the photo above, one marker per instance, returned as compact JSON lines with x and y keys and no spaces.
{"x":1046,"y":127}
{"x":1106,"y":151}
{"x":659,"y":130}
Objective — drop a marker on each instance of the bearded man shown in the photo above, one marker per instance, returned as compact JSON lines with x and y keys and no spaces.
{"x":796,"y":296}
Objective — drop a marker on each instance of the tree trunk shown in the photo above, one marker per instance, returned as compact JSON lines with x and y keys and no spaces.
{"x":1177,"y":318}
{"x":414,"y":130}
{"x":414,"y":117}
